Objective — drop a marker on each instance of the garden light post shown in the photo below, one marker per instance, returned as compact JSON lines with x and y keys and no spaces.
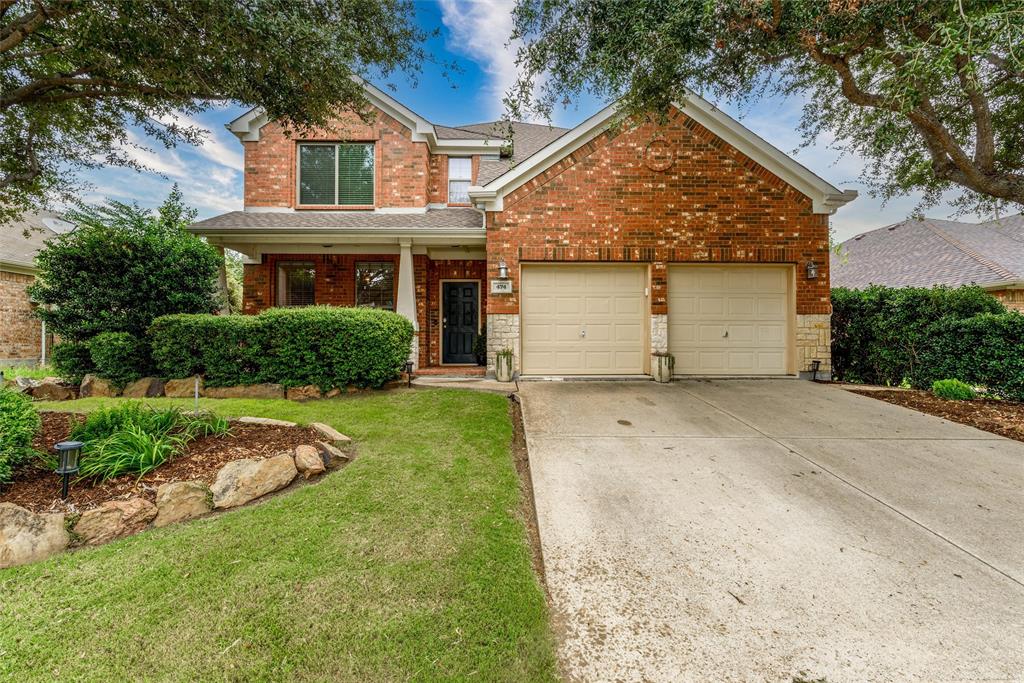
{"x":70,"y":452}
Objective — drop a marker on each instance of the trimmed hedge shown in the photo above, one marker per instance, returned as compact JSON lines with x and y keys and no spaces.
{"x":322,"y":345}
{"x":119,"y":357}
{"x":72,"y":360}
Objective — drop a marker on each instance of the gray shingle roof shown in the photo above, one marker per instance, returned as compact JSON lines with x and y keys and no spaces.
{"x":318,"y":220}
{"x":922,"y":253}
{"x":527,"y":139}
{"x":17,"y":248}
{"x":450,"y":133}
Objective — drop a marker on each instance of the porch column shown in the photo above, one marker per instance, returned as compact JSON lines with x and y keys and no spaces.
{"x":222,"y":282}
{"x":406,"y":303}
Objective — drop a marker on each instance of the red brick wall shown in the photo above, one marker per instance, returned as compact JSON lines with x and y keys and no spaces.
{"x":1013,"y":299}
{"x":402,"y":166}
{"x":336,"y":282}
{"x":20,"y":331}
{"x":659,"y":194}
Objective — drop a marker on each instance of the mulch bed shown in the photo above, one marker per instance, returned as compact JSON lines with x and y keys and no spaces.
{"x":38,"y":490}
{"x":1005,"y":418}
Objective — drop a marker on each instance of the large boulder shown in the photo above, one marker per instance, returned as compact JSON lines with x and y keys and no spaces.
{"x":240,"y":481}
{"x":182,"y":500}
{"x":183,"y":388}
{"x":114,"y":519}
{"x":304,"y":393}
{"x":308,"y":461}
{"x":98,"y":387}
{"x":52,"y":391}
{"x":147,"y":387}
{"x":330,"y":434}
{"x":29,"y":537}
{"x":331,"y":454}
{"x":247,"y":391}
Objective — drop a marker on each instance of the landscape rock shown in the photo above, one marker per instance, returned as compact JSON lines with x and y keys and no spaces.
{"x":51,"y":391}
{"x":265,"y":421}
{"x":147,"y":387}
{"x":29,"y":537}
{"x":333,"y":393}
{"x":114,"y":519}
{"x":240,"y":481}
{"x":330,"y":434}
{"x":331,"y":454}
{"x":308,"y":461}
{"x":247,"y":391}
{"x":97,"y":386}
{"x":181,"y":500}
{"x":27,"y":382}
{"x":183,"y":388}
{"x":305,"y":393}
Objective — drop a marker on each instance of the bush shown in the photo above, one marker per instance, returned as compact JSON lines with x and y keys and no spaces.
{"x":953,"y":389}
{"x":878,"y":333}
{"x":321,"y":345}
{"x":119,"y":357}
{"x":72,"y":360}
{"x":19,"y":423}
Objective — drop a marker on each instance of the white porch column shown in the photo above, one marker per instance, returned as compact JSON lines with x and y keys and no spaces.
{"x":406,"y":303}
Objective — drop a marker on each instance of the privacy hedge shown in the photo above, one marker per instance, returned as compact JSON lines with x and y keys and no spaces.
{"x":322,"y":345}
{"x":119,"y":357}
{"x":886,"y":335}
{"x":72,"y":360}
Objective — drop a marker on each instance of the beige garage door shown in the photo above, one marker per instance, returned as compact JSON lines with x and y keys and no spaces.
{"x":729,"y":320}
{"x":583,"y":320}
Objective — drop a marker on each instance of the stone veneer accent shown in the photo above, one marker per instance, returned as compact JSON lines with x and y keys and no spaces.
{"x":814,"y":342}
{"x":502,"y":333}
{"x":659,"y":333}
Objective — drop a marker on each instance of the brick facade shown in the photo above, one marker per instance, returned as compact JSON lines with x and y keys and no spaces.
{"x":20,"y":333}
{"x":1013,"y":299}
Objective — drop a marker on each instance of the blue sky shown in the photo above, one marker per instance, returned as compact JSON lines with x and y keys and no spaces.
{"x":473,"y":34}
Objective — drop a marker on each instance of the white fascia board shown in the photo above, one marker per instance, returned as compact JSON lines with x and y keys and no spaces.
{"x":1003,"y":284}
{"x":19,"y":267}
{"x":825,"y":197}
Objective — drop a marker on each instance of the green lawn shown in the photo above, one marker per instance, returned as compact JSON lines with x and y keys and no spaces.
{"x":33,"y":371}
{"x":409,"y":564}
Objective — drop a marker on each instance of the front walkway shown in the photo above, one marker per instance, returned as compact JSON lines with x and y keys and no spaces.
{"x":765,"y":530}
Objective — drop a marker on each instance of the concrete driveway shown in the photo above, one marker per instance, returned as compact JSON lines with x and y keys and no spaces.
{"x":769,"y":530}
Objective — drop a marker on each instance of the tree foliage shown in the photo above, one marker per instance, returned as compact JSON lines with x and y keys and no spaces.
{"x":928,"y":91}
{"x":122,"y":267}
{"x":75,"y":73}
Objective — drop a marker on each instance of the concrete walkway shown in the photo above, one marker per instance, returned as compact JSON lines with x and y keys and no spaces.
{"x":766,"y":530}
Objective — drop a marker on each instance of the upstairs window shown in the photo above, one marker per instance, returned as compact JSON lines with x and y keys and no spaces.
{"x":336,"y":174}
{"x":375,"y":284}
{"x":460,"y":172}
{"x":296,"y":284}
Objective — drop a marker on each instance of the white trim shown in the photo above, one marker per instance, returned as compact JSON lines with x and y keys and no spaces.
{"x":1004,"y":284}
{"x":18,"y":267}
{"x":826,"y":197}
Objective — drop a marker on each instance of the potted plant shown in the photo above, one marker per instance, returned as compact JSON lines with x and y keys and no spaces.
{"x":503,"y":364}
{"x":662,"y":366}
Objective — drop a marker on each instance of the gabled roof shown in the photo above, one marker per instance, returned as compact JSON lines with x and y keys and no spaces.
{"x":826,"y":198}
{"x":21,"y":240}
{"x":924,"y":253}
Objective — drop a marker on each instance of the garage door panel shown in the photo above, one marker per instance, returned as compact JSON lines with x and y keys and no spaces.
{"x":729,"y":319}
{"x":607,"y":302}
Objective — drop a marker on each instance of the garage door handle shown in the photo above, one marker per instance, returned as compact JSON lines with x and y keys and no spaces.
{"x":726,"y":334}
{"x":583,"y":333}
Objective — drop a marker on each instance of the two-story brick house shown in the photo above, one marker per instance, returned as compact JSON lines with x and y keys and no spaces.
{"x":582,"y":250}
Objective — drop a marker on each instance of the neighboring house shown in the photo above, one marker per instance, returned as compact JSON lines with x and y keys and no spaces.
{"x":23,"y":338}
{"x":581,"y":250}
{"x":929,"y":252}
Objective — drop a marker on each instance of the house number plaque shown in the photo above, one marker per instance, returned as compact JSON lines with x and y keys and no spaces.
{"x":501,"y":286}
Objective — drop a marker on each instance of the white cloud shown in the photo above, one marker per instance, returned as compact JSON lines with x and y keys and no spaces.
{"x":166,"y":161}
{"x":221,"y":148}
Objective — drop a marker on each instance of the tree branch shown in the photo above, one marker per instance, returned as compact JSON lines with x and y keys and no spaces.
{"x":984,"y":137}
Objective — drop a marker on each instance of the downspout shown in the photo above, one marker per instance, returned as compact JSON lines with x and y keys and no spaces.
{"x":42,"y":345}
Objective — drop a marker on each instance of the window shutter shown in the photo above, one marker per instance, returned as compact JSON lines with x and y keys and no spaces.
{"x":316,"y":177}
{"x":355,"y":174}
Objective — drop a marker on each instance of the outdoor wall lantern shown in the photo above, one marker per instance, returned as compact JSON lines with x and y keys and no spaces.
{"x":812,"y":270}
{"x":502,"y":269}
{"x":70,"y":452}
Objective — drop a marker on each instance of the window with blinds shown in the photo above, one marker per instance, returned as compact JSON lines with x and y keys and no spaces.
{"x":336,"y":174}
{"x":375,"y":284}
{"x":460,"y":172}
{"x":296,"y":284}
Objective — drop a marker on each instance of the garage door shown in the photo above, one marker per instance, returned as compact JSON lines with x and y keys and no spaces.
{"x":583,"y":320}
{"x":729,"y":320}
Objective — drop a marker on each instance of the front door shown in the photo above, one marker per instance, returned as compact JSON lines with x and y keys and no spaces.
{"x":460,"y":304}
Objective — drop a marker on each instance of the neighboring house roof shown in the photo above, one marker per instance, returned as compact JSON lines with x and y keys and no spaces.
{"x":924,"y":253}
{"x":334,"y":220}
{"x":21,"y":240}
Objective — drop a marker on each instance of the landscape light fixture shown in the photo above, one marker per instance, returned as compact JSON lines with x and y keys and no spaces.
{"x":812,"y":270}
{"x":502,"y":269}
{"x":408,"y":372}
{"x":815,"y":367}
{"x":70,"y":453}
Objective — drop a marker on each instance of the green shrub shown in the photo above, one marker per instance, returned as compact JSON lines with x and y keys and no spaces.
{"x":878,"y":333}
{"x":19,"y":423}
{"x":953,"y":389}
{"x":480,"y":348}
{"x":130,"y":451}
{"x":119,"y":357}
{"x":72,"y":360}
{"x":321,"y":345}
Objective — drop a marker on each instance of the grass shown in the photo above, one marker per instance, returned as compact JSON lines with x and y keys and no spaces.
{"x":31,"y":371}
{"x":409,"y":564}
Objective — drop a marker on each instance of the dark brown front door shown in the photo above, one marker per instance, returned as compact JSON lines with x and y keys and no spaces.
{"x":460,"y":305}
